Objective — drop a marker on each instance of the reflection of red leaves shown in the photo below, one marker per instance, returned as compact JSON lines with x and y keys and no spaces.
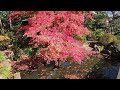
{"x":43,"y":77}
{"x":21,"y":65}
{"x":55,"y":69}
{"x":27,"y":63}
{"x":71,"y":76}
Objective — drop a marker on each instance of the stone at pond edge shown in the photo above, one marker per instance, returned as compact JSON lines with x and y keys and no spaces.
{"x":118,"y":76}
{"x":117,"y":47}
{"x":65,"y":64}
{"x":49,"y":77}
{"x":17,"y":75}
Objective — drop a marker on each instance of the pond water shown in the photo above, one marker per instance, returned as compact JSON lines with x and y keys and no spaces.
{"x":49,"y":73}
{"x":110,"y":73}
{"x":30,"y":75}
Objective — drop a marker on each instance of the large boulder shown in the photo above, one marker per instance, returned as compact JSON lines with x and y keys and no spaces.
{"x":112,"y":50}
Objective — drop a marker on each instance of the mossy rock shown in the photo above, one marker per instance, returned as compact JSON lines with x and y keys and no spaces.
{"x":4,"y":38}
{"x":108,"y":38}
{"x":117,"y":41}
{"x":4,"y":42}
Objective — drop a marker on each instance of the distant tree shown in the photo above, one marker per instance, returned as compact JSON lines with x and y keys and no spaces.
{"x":99,"y":21}
{"x":113,"y":20}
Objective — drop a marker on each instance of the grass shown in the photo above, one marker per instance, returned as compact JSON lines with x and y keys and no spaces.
{"x":5,"y":72}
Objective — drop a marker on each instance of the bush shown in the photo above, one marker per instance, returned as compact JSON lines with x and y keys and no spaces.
{"x":28,"y":51}
{"x":4,"y":41}
{"x":82,"y":39}
{"x":97,"y":34}
{"x":4,"y":38}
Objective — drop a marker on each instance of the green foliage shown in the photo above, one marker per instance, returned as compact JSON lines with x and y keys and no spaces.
{"x":89,"y":24}
{"x":99,"y":21}
{"x":5,"y":20}
{"x":83,"y":39}
{"x":3,"y":14}
{"x":28,"y":51}
{"x":2,"y":57}
{"x":19,"y":43}
{"x":97,"y":34}
{"x":18,"y":21}
{"x":117,"y":35}
{"x":115,"y":24}
{"x":5,"y":72}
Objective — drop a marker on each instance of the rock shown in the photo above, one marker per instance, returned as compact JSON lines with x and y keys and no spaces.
{"x":118,"y":76}
{"x":17,"y":75}
{"x":117,"y":47}
{"x":43,"y":77}
{"x":49,"y":77}
{"x":9,"y":54}
{"x":112,"y":50}
{"x":65,"y":64}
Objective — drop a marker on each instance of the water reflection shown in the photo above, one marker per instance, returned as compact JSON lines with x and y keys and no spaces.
{"x":50,"y":73}
{"x":110,"y":73}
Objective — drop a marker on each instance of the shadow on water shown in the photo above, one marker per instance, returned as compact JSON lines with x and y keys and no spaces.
{"x":107,"y":70}
{"x":30,"y":75}
{"x":104,"y":73}
{"x":110,"y":73}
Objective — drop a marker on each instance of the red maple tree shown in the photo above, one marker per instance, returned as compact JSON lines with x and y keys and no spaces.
{"x":54,"y":29}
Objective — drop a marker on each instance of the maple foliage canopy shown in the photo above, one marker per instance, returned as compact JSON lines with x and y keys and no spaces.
{"x":54,"y":29}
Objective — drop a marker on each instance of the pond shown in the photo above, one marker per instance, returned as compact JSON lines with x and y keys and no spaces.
{"x":110,"y":73}
{"x":44,"y":72}
{"x":50,"y":72}
{"x":106,"y":73}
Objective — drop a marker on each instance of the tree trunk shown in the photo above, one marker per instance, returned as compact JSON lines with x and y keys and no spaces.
{"x":1,"y":27}
{"x":0,"y":24}
{"x":10,"y":21}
